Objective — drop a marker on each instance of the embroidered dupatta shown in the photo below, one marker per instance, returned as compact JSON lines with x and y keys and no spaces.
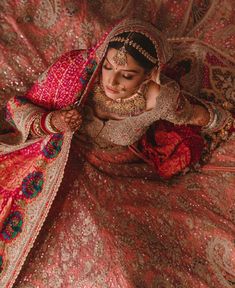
{"x":32,"y":170}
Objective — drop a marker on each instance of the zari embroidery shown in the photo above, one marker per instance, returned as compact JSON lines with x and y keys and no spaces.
{"x":131,"y":106}
{"x":129,"y":130}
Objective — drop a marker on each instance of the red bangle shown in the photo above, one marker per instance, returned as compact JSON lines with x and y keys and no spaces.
{"x":47,"y":125}
{"x":43,"y":123}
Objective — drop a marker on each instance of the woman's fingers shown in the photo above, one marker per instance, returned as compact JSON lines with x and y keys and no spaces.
{"x":72,"y":114}
{"x":67,"y":120}
{"x":73,"y":119}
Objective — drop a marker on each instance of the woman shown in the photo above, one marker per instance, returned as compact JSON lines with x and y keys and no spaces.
{"x":106,"y":227}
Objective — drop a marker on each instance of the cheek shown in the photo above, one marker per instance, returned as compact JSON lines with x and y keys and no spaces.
{"x":133,"y":84}
{"x":103,"y":75}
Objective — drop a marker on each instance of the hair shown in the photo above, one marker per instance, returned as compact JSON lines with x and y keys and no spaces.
{"x":144,"y":42}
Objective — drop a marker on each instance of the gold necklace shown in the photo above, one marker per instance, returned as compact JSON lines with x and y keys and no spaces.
{"x":132,"y":106}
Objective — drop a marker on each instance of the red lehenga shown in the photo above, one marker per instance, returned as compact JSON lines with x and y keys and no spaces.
{"x":113,"y":223}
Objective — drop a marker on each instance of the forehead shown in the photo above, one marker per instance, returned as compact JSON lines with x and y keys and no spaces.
{"x":131,"y":62}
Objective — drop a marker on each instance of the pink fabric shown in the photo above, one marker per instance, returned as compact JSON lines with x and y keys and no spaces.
{"x":116,"y":228}
{"x":113,"y":224}
{"x":62,"y":83}
{"x":36,"y":162}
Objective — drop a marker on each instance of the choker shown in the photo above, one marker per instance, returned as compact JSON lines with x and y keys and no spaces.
{"x":126,"y":107}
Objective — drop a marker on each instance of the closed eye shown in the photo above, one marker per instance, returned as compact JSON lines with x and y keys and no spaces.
{"x":107,"y":66}
{"x":127,"y":77}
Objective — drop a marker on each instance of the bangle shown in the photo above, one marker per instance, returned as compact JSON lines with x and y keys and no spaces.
{"x":219,"y":118}
{"x":47,"y":125}
{"x":36,"y":130}
{"x":212,"y":117}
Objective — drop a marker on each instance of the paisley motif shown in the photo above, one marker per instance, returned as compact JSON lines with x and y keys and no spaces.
{"x":114,"y":226}
{"x":47,"y":13}
{"x":220,"y":256}
{"x":223,"y":82}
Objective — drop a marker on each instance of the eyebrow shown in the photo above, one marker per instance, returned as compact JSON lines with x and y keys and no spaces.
{"x":133,"y":71}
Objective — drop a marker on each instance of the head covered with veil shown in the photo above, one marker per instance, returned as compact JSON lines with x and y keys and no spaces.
{"x":125,"y":33}
{"x":134,"y":41}
{"x":137,"y":38}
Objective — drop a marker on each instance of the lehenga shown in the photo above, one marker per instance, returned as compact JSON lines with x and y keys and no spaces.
{"x":112,"y":222}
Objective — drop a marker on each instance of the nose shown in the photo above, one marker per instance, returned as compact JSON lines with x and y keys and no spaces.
{"x":113,"y":80}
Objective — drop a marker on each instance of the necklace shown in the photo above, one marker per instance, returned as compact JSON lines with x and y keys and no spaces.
{"x":132,"y":106}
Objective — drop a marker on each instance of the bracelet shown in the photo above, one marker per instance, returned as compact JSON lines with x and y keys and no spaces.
{"x":36,"y":130}
{"x":218,"y":118}
{"x":212,"y":118}
{"x":47,"y":125}
{"x":42,"y":126}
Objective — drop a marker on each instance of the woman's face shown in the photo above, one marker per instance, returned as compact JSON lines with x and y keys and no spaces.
{"x":121,"y":81}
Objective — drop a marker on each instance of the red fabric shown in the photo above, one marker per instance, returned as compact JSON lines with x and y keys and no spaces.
{"x":172,"y":148}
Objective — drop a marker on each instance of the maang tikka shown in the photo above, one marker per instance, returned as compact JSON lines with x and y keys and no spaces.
{"x":120,"y":58}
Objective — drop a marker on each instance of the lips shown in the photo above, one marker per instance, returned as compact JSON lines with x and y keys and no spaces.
{"x":111,"y":90}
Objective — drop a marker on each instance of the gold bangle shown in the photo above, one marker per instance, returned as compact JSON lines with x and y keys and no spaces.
{"x":48,"y":124}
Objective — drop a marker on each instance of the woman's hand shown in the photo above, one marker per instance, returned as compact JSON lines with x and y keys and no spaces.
{"x":152,"y":93}
{"x":66,"y":120}
{"x":200,"y":116}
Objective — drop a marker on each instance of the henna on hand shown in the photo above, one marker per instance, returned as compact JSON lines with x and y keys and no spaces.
{"x":66,"y":120}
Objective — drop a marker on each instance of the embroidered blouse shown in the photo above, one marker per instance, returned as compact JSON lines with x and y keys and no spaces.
{"x":170,"y":105}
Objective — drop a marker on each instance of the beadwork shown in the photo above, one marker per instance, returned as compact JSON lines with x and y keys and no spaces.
{"x":36,"y":129}
{"x":131,"y":106}
{"x":120,"y":57}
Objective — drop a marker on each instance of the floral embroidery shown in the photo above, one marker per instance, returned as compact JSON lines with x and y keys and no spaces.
{"x":20,"y":100}
{"x":12,"y":227}
{"x":32,"y":184}
{"x":1,"y":263}
{"x":91,"y":65}
{"x":224,"y":83}
{"x":53,"y":147}
{"x":140,"y":225}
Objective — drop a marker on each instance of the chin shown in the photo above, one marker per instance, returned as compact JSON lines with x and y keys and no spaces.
{"x":113,"y":96}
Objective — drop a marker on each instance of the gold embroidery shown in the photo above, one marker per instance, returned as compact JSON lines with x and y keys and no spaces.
{"x":121,"y":54}
{"x":131,"y":106}
{"x":130,"y":129}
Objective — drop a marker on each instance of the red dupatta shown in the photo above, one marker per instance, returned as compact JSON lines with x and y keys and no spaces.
{"x":31,"y":170}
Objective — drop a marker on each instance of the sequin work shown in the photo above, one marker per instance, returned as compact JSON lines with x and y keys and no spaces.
{"x":113,"y":222}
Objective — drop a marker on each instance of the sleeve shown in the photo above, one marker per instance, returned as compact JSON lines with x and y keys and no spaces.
{"x":19,"y":114}
{"x":177,"y":106}
{"x":58,"y":87}
{"x":173,"y":103}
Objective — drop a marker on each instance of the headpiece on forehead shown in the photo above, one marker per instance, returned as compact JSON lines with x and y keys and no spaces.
{"x":121,"y":56}
{"x":162,"y":47}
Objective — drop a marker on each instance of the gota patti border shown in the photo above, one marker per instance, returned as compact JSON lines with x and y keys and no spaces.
{"x":35,"y":216}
